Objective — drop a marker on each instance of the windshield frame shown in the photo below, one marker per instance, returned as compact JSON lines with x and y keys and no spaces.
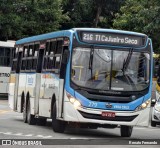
{"x":110,"y":91}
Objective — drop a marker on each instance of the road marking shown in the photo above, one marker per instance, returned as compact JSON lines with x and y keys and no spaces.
{"x":48,"y":136}
{"x":78,"y":138}
{"x":4,"y":111}
{"x":27,"y":135}
{"x":8,"y":133}
{"x":18,"y":134}
{"x":146,"y":128}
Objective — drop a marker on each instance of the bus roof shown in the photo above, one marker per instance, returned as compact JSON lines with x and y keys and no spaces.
{"x":7,"y":44}
{"x":65,"y":32}
{"x":110,"y":30}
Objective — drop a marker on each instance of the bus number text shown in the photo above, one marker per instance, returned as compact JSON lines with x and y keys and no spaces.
{"x":92,"y":104}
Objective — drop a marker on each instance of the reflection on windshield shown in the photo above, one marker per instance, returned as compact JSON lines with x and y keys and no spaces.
{"x":107,"y":71}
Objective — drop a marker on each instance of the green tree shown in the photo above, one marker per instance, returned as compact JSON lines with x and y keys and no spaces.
{"x":91,"y":13}
{"x":20,"y":18}
{"x":141,"y":16}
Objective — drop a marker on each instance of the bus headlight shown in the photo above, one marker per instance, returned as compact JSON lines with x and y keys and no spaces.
{"x":143,"y":105}
{"x":73,"y":100}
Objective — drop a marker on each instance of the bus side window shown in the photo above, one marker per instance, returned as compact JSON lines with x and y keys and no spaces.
{"x":59,"y":47}
{"x":58,"y":54}
{"x":30,"y":50}
{"x":45,"y":58}
{"x":27,"y":64}
{"x":34,"y":57}
{"x":53,"y":47}
{"x":14,"y":65}
{"x":50,"y":60}
{"x":23,"y":65}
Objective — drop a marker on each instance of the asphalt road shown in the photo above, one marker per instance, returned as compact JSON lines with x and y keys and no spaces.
{"x":12,"y":127}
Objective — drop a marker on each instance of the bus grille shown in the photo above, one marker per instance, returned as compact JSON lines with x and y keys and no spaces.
{"x":116,"y":118}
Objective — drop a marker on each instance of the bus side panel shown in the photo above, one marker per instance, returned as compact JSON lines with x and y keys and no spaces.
{"x":11,"y":90}
{"x":37,"y":94}
{"x":42,"y":86}
{"x":4,"y":79}
{"x":30,"y":88}
{"x":51,"y":86}
{"x":44,"y":103}
{"x":21,"y":89}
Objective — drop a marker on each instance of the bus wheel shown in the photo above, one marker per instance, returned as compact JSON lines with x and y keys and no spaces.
{"x":57,"y":125}
{"x":153,"y":123}
{"x":126,"y":131}
{"x":41,"y":121}
{"x":24,"y":113}
{"x":30,"y":118}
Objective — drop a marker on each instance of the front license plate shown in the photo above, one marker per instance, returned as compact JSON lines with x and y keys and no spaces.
{"x":108,"y":114}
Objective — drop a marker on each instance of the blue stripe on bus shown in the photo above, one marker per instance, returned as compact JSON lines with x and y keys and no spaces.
{"x":44,"y":37}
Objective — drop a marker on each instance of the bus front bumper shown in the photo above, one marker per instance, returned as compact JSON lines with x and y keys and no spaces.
{"x":88,"y":115}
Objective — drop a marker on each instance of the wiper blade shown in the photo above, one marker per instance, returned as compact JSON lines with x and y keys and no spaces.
{"x":91,"y":59}
{"x":127,"y":61}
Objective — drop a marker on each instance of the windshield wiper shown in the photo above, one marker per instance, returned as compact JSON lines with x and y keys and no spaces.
{"x":91,"y":60}
{"x":127,"y":61}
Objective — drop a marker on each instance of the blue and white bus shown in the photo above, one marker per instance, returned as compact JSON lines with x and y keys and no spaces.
{"x":93,"y":77}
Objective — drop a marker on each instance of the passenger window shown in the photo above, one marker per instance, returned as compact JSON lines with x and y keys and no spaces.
{"x":47,"y":48}
{"x":23,"y":65}
{"x":50,"y":63}
{"x":57,"y":62}
{"x":34,"y":64}
{"x":59,"y":47}
{"x":29,"y":64}
{"x":14,"y":65}
{"x":25,"y":51}
{"x":53,"y":47}
{"x":35,"y":51}
{"x":30,"y":51}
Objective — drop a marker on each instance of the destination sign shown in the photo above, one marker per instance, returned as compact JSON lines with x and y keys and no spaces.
{"x":113,"y":39}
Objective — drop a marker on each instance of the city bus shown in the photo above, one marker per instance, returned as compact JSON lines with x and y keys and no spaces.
{"x":6,"y":48}
{"x":85,"y":76}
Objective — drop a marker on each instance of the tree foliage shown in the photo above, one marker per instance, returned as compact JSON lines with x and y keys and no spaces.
{"x":141,"y":16}
{"x":20,"y":18}
{"x":91,"y":13}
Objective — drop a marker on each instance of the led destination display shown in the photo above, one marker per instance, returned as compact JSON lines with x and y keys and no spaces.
{"x":113,"y":39}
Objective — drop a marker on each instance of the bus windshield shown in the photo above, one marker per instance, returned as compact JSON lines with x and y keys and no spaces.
{"x":106,"y":69}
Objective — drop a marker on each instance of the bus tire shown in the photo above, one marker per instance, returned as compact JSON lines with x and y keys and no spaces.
{"x":126,"y":131}
{"x":30,"y":118}
{"x":24,"y":113}
{"x":41,"y":121}
{"x":57,"y":125}
{"x":153,"y":123}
